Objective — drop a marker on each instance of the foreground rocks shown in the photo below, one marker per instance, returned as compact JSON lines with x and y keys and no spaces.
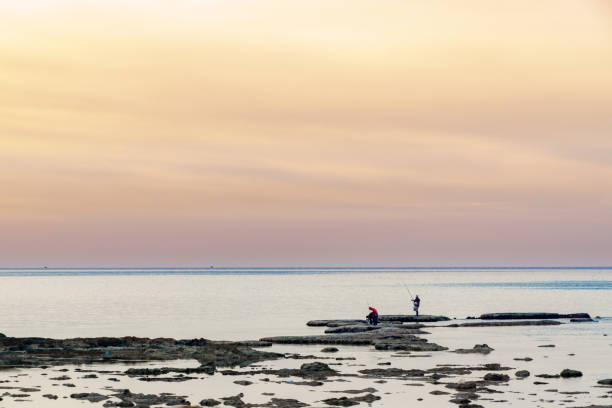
{"x":35,"y":351}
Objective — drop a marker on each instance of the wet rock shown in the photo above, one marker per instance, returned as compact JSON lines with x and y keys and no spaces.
{"x":548,"y":375}
{"x":333,"y":323}
{"x":438,"y":392}
{"x":547,"y":345}
{"x":234,"y":401}
{"x":507,"y":323}
{"x":89,"y":396}
{"x":392,"y":372}
{"x":369,"y":390}
{"x":478,"y":348}
{"x":50,"y":396}
{"x":568,"y":373}
{"x":582,"y":320}
{"x":203,"y":369}
{"x":329,"y":350}
{"x":496,"y":377}
{"x":347,"y":402}
{"x":60,"y":378}
{"x":522,"y":374}
{"x":340,"y":402}
{"x":35,"y":351}
{"x":351,"y":328}
{"x":607,"y":381}
{"x":209,"y":402}
{"x":518,"y":316}
{"x":243,"y":382}
{"x":524,"y":359}
{"x":412,"y":318}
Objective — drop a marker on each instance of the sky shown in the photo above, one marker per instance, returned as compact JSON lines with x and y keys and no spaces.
{"x":319,"y":132}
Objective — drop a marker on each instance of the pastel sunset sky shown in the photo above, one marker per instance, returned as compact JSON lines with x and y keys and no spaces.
{"x":319,"y":132}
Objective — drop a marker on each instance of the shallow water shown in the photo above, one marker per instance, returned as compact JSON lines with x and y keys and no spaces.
{"x":248,"y":303}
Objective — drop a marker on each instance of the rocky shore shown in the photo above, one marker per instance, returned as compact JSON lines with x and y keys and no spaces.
{"x":245,"y":363}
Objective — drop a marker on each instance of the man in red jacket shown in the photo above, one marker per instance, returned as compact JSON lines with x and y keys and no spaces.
{"x":373,"y":316}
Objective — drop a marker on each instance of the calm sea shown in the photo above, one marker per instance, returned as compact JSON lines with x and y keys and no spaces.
{"x":249,"y":303}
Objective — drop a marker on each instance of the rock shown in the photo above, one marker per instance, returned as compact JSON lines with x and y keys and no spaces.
{"x":412,"y":318}
{"x":496,"y":377}
{"x":548,"y":375}
{"x":607,"y":381}
{"x":333,"y":323}
{"x":357,"y":328}
{"x":568,"y":373}
{"x":507,"y":323}
{"x":582,"y":320}
{"x":340,"y":402}
{"x":347,"y":402}
{"x":368,"y":390}
{"x":329,"y":350}
{"x":522,"y":373}
{"x":60,"y":378}
{"x":2,"y":335}
{"x":243,"y":382}
{"x":547,"y":345}
{"x":209,"y":402}
{"x":478,"y":348}
{"x":35,"y":351}
{"x":89,"y":396}
{"x":234,"y":401}
{"x":50,"y":396}
{"x":392,"y":372}
{"x":520,"y":316}
{"x":438,"y":392}
{"x":524,"y":359}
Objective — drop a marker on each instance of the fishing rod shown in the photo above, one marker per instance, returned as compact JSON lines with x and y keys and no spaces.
{"x":406,"y":287}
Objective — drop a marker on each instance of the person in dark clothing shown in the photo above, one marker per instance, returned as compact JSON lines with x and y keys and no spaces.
{"x":416,"y":302}
{"x":373,"y":316}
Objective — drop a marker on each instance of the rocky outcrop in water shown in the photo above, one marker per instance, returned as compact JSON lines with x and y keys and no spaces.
{"x":35,"y":351}
{"x":537,"y":315}
{"x":386,"y":338}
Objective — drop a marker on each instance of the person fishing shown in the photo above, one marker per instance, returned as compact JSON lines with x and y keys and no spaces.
{"x":416,"y":303}
{"x":373,"y":316}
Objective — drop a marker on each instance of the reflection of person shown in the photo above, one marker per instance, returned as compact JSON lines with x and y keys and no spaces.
{"x":373,"y":316}
{"x":416,"y":302}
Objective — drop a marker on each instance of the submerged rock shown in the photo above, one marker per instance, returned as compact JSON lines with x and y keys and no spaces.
{"x":478,"y":348}
{"x":89,"y":396}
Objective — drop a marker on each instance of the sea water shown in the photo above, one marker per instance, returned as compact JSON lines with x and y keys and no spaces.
{"x":250,"y":303}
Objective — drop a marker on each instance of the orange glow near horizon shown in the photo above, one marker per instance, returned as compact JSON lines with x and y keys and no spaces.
{"x":300,"y":133}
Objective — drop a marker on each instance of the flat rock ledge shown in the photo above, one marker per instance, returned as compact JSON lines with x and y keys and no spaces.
{"x":385,"y":338}
{"x":537,"y":315}
{"x":396,"y":319}
{"x":507,"y":323}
